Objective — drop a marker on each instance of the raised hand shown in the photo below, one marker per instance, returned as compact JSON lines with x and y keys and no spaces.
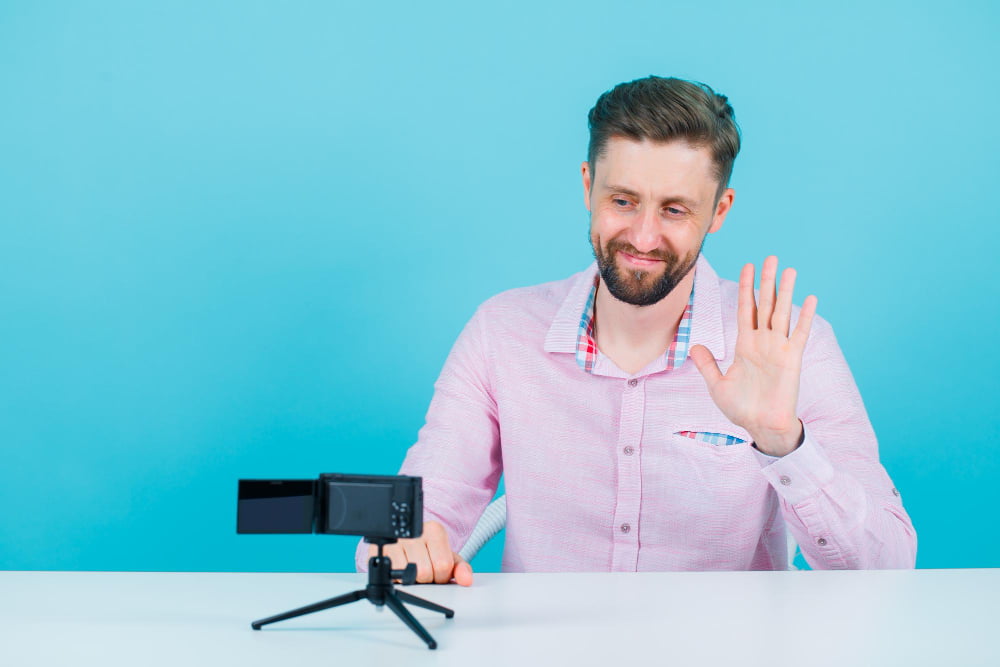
{"x":760,"y":390}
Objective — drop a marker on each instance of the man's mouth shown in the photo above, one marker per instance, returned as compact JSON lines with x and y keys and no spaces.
{"x":639,"y":262}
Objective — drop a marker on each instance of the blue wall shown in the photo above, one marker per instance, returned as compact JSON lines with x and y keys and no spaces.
{"x":238,"y":239}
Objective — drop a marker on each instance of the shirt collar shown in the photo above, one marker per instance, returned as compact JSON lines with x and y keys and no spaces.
{"x":577,"y":309}
{"x":707,"y":322}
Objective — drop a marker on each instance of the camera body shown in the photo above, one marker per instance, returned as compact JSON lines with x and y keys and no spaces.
{"x":383,"y":507}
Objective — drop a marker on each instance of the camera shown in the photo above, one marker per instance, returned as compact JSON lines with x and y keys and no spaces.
{"x":384,"y":507}
{"x":380,"y":508}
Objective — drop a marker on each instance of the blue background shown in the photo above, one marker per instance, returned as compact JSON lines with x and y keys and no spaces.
{"x":239,"y":239}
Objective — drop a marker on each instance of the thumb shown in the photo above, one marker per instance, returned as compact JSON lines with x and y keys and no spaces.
{"x":705,"y":362}
{"x":463,"y":571}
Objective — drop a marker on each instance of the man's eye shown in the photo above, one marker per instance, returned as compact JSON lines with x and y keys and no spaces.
{"x":673,"y":210}
{"x":620,"y":203}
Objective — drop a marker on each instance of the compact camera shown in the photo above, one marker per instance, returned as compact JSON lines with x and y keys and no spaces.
{"x":384,"y":507}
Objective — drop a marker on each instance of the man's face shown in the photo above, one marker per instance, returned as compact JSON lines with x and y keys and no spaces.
{"x":651,"y":206}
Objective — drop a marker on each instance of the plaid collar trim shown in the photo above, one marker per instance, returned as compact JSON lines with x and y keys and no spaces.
{"x":586,"y":346}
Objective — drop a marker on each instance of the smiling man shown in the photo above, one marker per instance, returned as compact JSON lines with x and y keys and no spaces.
{"x":646,"y":414}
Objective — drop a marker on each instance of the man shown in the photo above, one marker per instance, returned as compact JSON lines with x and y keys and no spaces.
{"x":646,"y":414}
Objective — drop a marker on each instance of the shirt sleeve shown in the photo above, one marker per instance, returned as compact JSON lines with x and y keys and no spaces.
{"x":836,"y":498}
{"x":457,"y":452}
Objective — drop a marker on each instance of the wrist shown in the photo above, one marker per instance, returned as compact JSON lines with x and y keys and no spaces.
{"x":779,"y":442}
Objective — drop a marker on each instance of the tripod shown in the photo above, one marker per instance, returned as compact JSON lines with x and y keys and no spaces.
{"x":379,"y":592}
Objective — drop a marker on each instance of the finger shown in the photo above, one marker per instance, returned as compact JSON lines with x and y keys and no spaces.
{"x":801,"y":333}
{"x":781,"y":319}
{"x":395,"y":554}
{"x":768,"y":273}
{"x":705,"y":362}
{"x":441,"y":555}
{"x":463,"y":571}
{"x":416,"y":553}
{"x":746,"y":306}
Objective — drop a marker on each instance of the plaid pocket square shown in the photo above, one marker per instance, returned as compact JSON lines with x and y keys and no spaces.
{"x":712,"y":438}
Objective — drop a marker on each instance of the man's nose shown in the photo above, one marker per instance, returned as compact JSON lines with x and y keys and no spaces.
{"x":644,"y":234}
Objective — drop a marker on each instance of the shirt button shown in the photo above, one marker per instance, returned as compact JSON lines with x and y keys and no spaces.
{"x":633,"y":382}
{"x":821,"y":541}
{"x":625,"y":528}
{"x":628,"y":450}
{"x":895,"y":491}
{"x":785,"y":480}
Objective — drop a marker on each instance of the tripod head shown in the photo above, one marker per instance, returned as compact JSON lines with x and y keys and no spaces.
{"x":380,"y":572}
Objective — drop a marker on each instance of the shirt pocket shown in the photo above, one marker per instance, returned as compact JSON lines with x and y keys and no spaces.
{"x":711,"y":448}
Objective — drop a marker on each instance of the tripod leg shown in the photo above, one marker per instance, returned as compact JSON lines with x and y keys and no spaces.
{"x":426,"y":604}
{"x":392,"y":602}
{"x":346,"y":598}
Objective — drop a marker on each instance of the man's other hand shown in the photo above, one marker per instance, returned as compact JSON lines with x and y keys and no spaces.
{"x":431,"y":553}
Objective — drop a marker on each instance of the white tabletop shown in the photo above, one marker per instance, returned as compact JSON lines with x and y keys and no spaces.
{"x":922,"y":617}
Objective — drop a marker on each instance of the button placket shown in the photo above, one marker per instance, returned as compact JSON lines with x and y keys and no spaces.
{"x":625,"y":526}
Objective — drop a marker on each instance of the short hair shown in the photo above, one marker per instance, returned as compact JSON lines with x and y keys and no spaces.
{"x":666,"y":109}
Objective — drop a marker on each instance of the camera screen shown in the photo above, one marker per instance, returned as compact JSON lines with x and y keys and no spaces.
{"x":275,"y":506}
{"x":359,"y":509}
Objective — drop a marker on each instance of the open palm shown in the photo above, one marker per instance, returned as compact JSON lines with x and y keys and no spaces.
{"x":760,"y":390}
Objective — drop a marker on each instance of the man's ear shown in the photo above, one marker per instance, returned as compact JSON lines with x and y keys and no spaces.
{"x":587,"y":182}
{"x":722,"y":208}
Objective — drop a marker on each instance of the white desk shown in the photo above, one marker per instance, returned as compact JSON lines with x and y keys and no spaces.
{"x":923,"y":617}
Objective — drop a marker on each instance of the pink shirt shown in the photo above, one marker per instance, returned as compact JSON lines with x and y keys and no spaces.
{"x":601,"y":473}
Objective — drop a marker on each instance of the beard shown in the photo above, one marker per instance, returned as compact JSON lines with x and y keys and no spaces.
{"x":635,"y":286}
